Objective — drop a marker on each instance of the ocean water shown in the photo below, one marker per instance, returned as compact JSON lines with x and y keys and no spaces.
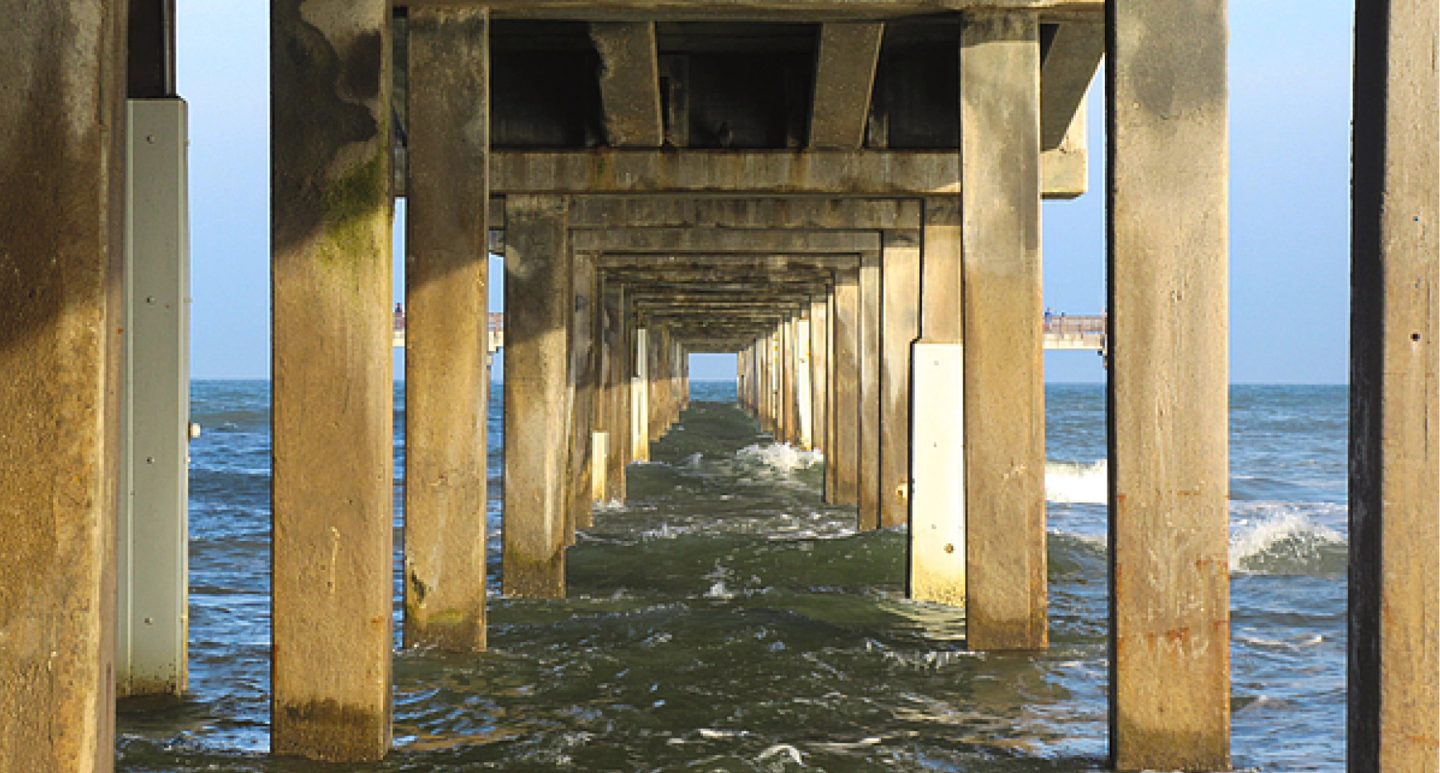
{"x":725,"y":619}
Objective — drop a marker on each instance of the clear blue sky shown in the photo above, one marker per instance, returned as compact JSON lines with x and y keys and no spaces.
{"x":1290,"y":156}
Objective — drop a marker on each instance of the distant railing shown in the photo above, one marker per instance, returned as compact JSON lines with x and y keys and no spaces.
{"x":496,"y":338}
{"x":1081,"y":331}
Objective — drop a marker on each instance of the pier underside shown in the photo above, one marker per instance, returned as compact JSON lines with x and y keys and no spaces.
{"x":846,"y":194}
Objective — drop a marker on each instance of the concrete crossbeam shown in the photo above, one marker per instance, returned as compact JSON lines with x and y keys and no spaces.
{"x":729,"y":173}
{"x":629,"y":83}
{"x":760,"y":10}
{"x":1071,"y":60}
{"x":844,"y":79}
{"x":741,"y":213}
{"x":671,"y":241}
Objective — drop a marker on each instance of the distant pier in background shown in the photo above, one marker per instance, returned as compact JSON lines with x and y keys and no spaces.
{"x":1062,"y":331}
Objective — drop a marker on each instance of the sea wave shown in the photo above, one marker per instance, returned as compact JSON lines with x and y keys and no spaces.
{"x":1266,"y":538}
{"x":1281,"y":538}
{"x":778,"y":457}
{"x":1084,"y":483}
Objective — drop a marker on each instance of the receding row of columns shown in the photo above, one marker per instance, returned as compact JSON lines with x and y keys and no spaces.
{"x":975,"y":394}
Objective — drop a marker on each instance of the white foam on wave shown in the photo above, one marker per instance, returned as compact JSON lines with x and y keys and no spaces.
{"x":780,"y":457}
{"x":1084,"y":483}
{"x":1283,"y":538}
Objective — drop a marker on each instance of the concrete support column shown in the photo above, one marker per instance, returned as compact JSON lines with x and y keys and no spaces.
{"x":899,"y":327}
{"x":1004,"y":381}
{"x":869,"y":384}
{"x":752,"y":377}
{"x":614,"y":398}
{"x":684,"y":378}
{"x":582,"y":377}
{"x":1394,"y":677}
{"x":446,"y":329}
{"x":333,"y":485}
{"x":655,"y":382}
{"x":937,"y":428}
{"x":1168,"y":392}
{"x":640,"y":397}
{"x":151,"y":651}
{"x":819,"y":369}
{"x":62,"y":86}
{"x":538,"y":315}
{"x":766,"y":385}
{"x":785,"y":336}
{"x":831,"y":468}
{"x":846,"y":389}
{"x":776,"y":365}
{"x":804,"y":388}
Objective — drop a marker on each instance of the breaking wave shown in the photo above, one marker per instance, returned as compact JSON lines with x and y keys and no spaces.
{"x":1085,"y":483}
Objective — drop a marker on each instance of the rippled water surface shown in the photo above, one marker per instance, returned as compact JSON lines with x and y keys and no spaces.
{"x":726,"y":619}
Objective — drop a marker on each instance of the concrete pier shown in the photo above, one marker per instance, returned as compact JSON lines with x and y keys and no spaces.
{"x":1394,"y":636}
{"x":61,"y":103}
{"x":331,"y":291}
{"x":613,"y":398}
{"x":1004,"y":386}
{"x":844,"y":451}
{"x":868,"y":380}
{"x":446,"y":300}
{"x":819,"y":368}
{"x":583,"y":367}
{"x":538,"y":303}
{"x":899,"y":327}
{"x":1169,"y":386}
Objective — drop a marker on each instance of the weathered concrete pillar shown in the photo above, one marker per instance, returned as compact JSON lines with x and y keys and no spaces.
{"x":819,"y":368}
{"x":62,"y":87}
{"x":538,"y":314}
{"x":582,"y":377}
{"x":1004,"y":381}
{"x":899,"y":327}
{"x":776,"y":364}
{"x":757,"y":377}
{"x":937,"y":427}
{"x":614,"y":399}
{"x":804,"y":398}
{"x":831,"y":468}
{"x":767,"y":382}
{"x":446,"y":328}
{"x":151,"y":644}
{"x":785,"y":340}
{"x":869,"y":385}
{"x":684,"y":378}
{"x":332,"y":459}
{"x":655,"y":383}
{"x":640,"y":396}
{"x":1169,"y":465}
{"x":846,"y":388}
{"x":1394,"y":691}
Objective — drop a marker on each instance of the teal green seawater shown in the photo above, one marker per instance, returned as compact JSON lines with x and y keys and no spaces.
{"x":725,"y":619}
